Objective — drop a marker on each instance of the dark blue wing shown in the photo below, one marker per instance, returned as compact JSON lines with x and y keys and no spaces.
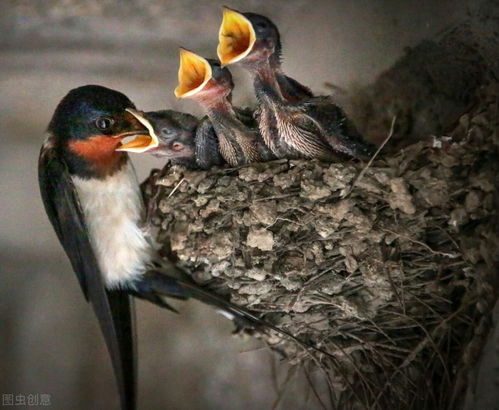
{"x":113,"y":309}
{"x":207,"y":147}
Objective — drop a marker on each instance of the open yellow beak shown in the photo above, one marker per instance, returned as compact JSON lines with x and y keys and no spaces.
{"x":193,"y":74}
{"x":140,"y":142}
{"x":235,"y":38}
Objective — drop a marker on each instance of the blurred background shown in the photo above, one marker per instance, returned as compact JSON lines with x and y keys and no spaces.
{"x":49,"y":339}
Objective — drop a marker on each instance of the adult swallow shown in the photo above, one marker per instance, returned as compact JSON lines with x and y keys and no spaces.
{"x":92,"y":198}
{"x":293,"y":123}
{"x":84,"y":185}
{"x":182,"y":138}
{"x":210,"y":85}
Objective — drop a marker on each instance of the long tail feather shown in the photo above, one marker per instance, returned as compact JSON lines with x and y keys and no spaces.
{"x":160,"y":284}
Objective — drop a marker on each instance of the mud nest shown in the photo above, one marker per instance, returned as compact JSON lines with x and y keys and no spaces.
{"x":389,"y":268}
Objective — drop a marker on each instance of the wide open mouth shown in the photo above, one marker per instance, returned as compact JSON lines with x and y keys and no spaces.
{"x":193,"y":74}
{"x":235,"y":38}
{"x":139,"y":141}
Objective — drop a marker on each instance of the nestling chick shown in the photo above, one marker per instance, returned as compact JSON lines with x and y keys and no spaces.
{"x":210,"y":85}
{"x":293,"y":123}
{"x":182,"y":138}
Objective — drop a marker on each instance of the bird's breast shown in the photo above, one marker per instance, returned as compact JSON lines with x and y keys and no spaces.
{"x":113,"y":211}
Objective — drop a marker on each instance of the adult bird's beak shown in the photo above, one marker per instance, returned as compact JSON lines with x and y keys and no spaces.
{"x":141,"y":140}
{"x":235,"y":38}
{"x":193,"y":74}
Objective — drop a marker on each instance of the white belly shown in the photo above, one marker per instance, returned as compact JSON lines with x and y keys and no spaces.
{"x":113,"y":212}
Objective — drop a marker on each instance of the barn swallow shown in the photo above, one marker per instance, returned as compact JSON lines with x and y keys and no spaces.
{"x":293,"y":122}
{"x":210,"y":85}
{"x":182,"y":138}
{"x":92,"y":198}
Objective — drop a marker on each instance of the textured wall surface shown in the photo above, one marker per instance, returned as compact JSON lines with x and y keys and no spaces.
{"x":49,"y":341}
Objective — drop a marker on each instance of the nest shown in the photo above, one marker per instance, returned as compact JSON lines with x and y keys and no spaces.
{"x":389,"y":268}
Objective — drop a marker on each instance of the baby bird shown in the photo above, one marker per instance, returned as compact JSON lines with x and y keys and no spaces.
{"x":182,"y":138}
{"x":293,"y":123}
{"x":210,"y":85}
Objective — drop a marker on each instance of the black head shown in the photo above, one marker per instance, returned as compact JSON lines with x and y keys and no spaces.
{"x":176,"y":132}
{"x":92,"y":110}
{"x":265,"y":29}
{"x":88,"y":126}
{"x":268,"y":39}
{"x":221,"y":76}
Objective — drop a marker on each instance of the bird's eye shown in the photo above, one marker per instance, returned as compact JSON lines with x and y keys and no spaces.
{"x":166,"y":131}
{"x":177,"y":146}
{"x":104,"y":123}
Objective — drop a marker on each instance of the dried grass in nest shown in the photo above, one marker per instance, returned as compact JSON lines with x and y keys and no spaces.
{"x":393,"y":277}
